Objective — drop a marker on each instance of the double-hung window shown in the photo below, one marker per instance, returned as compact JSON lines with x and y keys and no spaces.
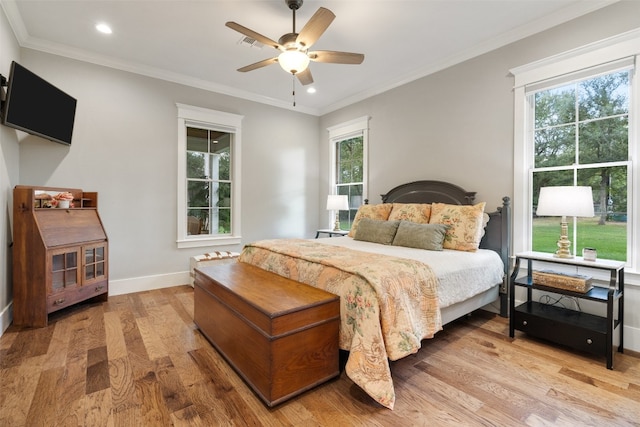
{"x":581,"y":137}
{"x":348,"y":174}
{"x":576,"y":125}
{"x":209,"y":177}
{"x":208,"y":181}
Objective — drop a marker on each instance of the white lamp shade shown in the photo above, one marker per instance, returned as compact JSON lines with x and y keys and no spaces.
{"x":293,"y":61}
{"x":565,"y":201}
{"x":337,"y":203}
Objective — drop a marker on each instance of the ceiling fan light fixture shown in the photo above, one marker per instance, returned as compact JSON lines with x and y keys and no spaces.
{"x":293,"y":61}
{"x":293,"y":47}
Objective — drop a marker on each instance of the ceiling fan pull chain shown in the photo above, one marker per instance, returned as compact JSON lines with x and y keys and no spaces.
{"x":293,"y":88}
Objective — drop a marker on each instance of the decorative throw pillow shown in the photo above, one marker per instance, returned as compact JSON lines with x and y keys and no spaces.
{"x":465,"y":224}
{"x":376,"y":231}
{"x":421,"y":236}
{"x":380,"y":212}
{"x":414,"y":212}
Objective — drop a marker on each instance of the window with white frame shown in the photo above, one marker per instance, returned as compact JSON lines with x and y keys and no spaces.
{"x":348,"y":160}
{"x":208,"y":177}
{"x":576,"y":125}
{"x":209,"y":158}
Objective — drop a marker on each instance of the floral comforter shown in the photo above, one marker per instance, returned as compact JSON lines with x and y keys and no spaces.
{"x":388,"y":304}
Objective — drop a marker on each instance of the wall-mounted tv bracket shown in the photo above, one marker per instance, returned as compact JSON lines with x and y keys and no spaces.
{"x":3,"y":83}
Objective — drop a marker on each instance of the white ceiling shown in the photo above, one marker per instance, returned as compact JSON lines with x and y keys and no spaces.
{"x":186,"y":41}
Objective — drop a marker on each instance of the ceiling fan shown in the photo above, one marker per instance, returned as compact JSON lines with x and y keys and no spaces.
{"x":295,"y":55}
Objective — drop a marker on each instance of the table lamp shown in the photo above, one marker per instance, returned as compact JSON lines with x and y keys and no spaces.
{"x":565,"y":201}
{"x":337,"y":203}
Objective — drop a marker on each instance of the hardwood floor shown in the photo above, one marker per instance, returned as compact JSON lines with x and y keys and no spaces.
{"x":138,"y":360}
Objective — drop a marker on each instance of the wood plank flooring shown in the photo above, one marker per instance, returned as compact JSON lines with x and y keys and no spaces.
{"x":138,"y":360}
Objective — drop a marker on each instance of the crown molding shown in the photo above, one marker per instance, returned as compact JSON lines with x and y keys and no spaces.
{"x":25,"y":40}
{"x":564,"y":15}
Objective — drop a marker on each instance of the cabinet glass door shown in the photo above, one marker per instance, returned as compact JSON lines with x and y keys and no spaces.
{"x":64,"y":269}
{"x":94,"y":262}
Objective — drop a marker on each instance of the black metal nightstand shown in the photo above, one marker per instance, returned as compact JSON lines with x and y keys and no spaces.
{"x":576,"y":329}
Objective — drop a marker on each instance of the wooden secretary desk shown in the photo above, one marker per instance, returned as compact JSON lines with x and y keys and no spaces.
{"x":60,"y":254}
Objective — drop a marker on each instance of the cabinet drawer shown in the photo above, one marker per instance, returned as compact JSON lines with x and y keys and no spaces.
{"x":575,"y":329}
{"x":71,"y":296}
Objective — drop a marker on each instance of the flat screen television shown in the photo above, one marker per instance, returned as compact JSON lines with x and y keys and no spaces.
{"x":35,"y":106}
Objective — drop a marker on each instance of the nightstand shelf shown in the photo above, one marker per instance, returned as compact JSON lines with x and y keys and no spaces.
{"x":597,"y":293}
{"x":579,"y":330}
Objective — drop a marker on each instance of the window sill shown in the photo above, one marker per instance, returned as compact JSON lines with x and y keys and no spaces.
{"x":197,"y":242}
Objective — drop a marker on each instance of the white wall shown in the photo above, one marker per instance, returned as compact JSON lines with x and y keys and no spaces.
{"x":9,"y":156}
{"x":124,"y":147}
{"x":457,"y":125}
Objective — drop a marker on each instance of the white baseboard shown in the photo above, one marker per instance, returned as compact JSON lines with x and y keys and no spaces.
{"x":6,"y":317}
{"x":147,"y":283}
{"x":632,"y":338}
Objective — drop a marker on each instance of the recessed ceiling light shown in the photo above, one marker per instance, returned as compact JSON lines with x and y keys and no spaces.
{"x":311,"y":90}
{"x":103,"y":28}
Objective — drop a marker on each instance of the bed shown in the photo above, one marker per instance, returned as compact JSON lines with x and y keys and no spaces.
{"x":394,"y":296}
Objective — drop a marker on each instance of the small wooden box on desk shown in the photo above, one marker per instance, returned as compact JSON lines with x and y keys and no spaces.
{"x":576,"y":329}
{"x":60,"y":255}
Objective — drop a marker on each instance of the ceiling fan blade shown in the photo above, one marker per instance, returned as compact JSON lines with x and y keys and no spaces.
{"x":257,"y":65}
{"x":317,"y":25}
{"x":257,"y":36}
{"x":336,"y":57}
{"x":305,"y":77}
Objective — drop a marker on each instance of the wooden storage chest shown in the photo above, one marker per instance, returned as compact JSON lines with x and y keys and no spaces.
{"x":281,"y":336}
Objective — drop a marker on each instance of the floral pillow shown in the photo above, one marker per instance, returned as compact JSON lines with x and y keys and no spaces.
{"x":414,"y":212}
{"x":380,"y":212}
{"x":465,"y":225}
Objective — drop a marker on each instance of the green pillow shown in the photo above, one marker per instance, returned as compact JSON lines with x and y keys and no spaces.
{"x":421,"y":236}
{"x":376,"y":231}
